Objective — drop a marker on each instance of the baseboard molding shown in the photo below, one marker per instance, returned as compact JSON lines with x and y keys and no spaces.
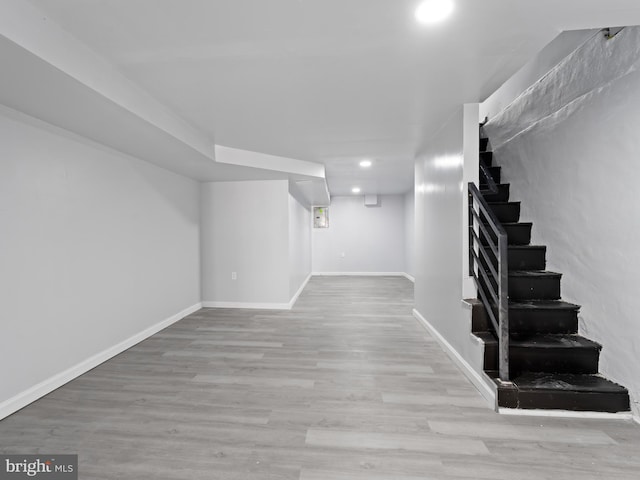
{"x":247,"y":305}
{"x":565,"y":414}
{"x":45,"y":387}
{"x":359,"y":274}
{"x":474,"y":377}
{"x":259,"y":305}
{"x":365,"y":274}
{"x":294,"y":299}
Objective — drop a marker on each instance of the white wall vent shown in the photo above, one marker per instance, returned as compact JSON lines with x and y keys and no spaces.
{"x":371,"y":200}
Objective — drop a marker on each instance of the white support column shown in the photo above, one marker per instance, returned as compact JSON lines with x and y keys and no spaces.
{"x":471,"y":163}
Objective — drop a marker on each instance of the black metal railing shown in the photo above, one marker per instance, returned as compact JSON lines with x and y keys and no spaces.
{"x":488,"y":252}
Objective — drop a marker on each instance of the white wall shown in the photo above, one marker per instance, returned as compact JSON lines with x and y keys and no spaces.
{"x":438,"y":290}
{"x":471,"y":166}
{"x":245,"y":229}
{"x":371,"y":238}
{"x":409,"y":233}
{"x":299,"y":244}
{"x":569,"y":146}
{"x":441,"y":228}
{"x":95,"y":248}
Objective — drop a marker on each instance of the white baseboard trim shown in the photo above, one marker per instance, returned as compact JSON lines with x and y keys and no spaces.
{"x":474,"y":377}
{"x":565,"y":414}
{"x":409,"y":277}
{"x":294,"y":299}
{"x":47,"y":386}
{"x":359,"y":274}
{"x":258,"y":305}
{"x":247,"y":305}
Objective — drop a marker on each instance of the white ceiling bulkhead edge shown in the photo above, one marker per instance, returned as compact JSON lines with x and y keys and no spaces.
{"x":49,"y":75}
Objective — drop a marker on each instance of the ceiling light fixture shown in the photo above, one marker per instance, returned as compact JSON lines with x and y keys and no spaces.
{"x":355,"y":190}
{"x":366,"y":163}
{"x":433,"y":11}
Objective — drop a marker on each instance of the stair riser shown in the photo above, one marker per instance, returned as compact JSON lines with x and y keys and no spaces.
{"x":527,"y":259}
{"x":490,"y":357}
{"x":507,"y":213}
{"x":518,"y":234}
{"x":501,"y":196}
{"x":542,"y":321}
{"x":530,"y":321}
{"x":479,"y":319}
{"x":561,"y":360}
{"x":530,"y":359}
{"x":487,"y":157}
{"x":572,"y":401}
{"x":527,"y":288}
{"x":496,"y":175}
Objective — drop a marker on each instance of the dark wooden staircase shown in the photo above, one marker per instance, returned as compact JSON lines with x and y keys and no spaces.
{"x":551,"y":366}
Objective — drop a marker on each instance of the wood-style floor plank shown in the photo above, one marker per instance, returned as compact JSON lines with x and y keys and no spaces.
{"x":346,"y":386}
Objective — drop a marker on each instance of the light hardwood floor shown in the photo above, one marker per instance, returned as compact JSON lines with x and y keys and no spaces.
{"x":346,"y":386}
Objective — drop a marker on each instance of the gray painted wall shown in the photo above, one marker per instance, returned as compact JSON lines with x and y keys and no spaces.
{"x":438,"y":284}
{"x":569,"y":146}
{"x":300,"y":223}
{"x":95,"y":248}
{"x":409,"y":233}
{"x":245,"y":229}
{"x":371,"y":238}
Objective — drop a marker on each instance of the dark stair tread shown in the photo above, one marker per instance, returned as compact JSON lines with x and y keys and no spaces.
{"x":487,"y":337}
{"x":487,"y":190}
{"x":504,"y":211}
{"x":543,"y":340}
{"x":500,"y":195}
{"x":517,"y":224}
{"x":518,"y":233}
{"x":569,"y":382}
{"x":561,"y":391}
{"x":510,"y":224}
{"x":527,"y":247}
{"x":498,"y":204}
{"x":534,"y":274}
{"x":553,"y":341}
{"x":542,"y":305}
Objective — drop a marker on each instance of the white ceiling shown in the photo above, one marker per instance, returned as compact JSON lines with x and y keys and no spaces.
{"x":330,"y":81}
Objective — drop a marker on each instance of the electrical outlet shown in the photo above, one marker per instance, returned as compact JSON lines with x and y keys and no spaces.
{"x":234,"y":275}
{"x":342,"y":255}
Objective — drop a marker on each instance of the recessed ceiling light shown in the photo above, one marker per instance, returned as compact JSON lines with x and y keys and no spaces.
{"x":366,"y":163}
{"x":355,"y":190}
{"x":433,"y":11}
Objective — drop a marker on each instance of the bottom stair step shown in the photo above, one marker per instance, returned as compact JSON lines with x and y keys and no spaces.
{"x":566,"y":391}
{"x":572,"y":354}
{"x":561,"y":391}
